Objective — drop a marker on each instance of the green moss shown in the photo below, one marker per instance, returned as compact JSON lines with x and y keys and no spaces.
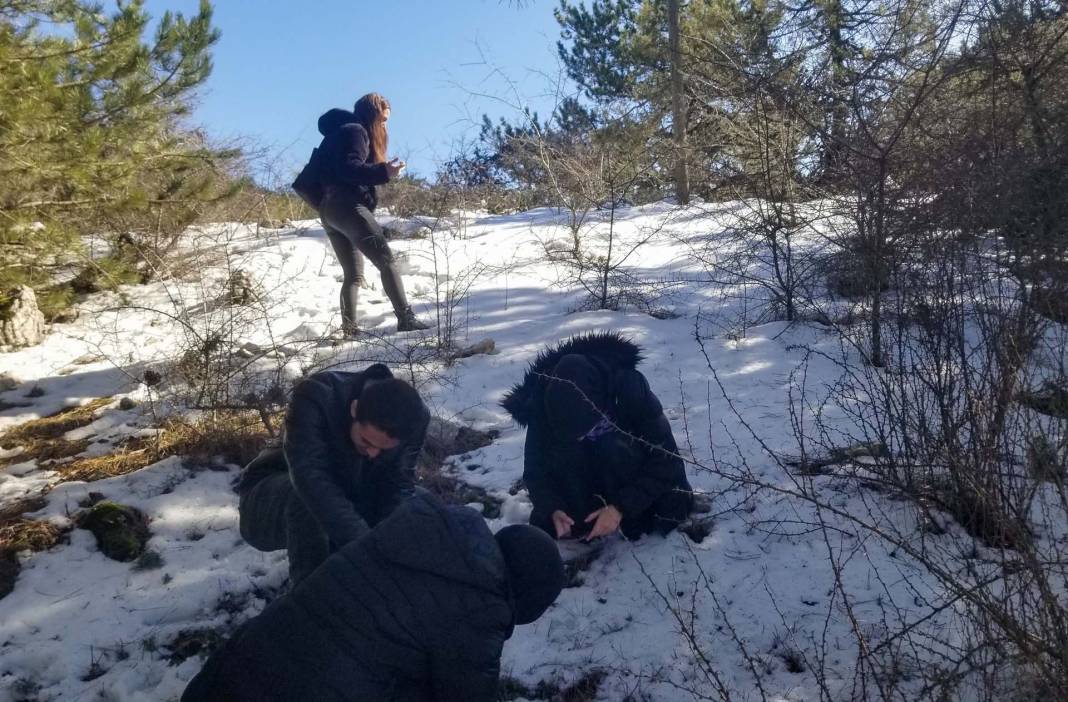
{"x":55,"y":300}
{"x":121,"y":532}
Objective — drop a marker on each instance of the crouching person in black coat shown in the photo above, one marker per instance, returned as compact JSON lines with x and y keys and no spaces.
{"x":348,"y":459}
{"x":417,"y":609}
{"x":599,"y":453}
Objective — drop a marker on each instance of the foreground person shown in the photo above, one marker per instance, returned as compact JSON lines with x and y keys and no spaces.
{"x":417,"y":609}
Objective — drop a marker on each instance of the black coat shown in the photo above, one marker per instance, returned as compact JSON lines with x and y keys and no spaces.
{"x":345,"y":491}
{"x":343,"y":153}
{"x":640,"y":458}
{"x":418,"y":609}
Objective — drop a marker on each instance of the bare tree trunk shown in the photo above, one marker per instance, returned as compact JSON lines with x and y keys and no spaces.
{"x":678,"y":107}
{"x":839,"y":110}
{"x":608,"y":258}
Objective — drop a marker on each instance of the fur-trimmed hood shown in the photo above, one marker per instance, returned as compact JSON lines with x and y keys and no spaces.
{"x":610,"y":348}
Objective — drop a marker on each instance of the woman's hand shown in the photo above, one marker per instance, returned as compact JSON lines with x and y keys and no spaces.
{"x":394,"y":168}
{"x":562,"y":523}
{"x":607,"y":522}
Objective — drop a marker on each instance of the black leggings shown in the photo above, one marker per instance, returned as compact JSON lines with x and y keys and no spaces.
{"x":354,"y":233}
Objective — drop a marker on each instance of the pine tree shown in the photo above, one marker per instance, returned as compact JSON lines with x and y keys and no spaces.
{"x":91,"y":137}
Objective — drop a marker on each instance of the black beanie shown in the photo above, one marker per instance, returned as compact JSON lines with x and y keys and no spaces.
{"x":574,"y":396}
{"x":535,"y":571}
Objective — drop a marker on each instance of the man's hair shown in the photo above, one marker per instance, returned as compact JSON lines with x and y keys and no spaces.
{"x":393,"y":406}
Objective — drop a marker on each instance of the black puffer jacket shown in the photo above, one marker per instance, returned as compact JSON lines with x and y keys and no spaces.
{"x":342,"y":489}
{"x":418,"y":609}
{"x":630,"y":404}
{"x":343,"y":155}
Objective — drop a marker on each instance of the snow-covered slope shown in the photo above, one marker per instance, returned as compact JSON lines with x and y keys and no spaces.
{"x":755,"y":600}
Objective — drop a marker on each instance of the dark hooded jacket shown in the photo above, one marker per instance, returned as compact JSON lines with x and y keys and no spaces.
{"x":639,"y":447}
{"x":418,"y":609}
{"x":345,"y":491}
{"x":343,"y":154}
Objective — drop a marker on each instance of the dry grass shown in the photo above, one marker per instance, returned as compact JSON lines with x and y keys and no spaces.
{"x":19,"y":534}
{"x":236,"y":437}
{"x":28,"y":535}
{"x":42,"y":439}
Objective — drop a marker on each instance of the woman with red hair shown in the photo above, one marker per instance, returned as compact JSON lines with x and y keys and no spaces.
{"x":352,"y":162}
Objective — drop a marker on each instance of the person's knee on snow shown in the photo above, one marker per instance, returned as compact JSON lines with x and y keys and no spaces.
{"x":263,"y":491}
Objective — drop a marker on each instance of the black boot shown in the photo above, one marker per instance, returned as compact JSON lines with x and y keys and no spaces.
{"x":407,"y":321}
{"x":350,"y":330}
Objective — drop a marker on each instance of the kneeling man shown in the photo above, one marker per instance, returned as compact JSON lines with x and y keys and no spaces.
{"x":348,"y":459}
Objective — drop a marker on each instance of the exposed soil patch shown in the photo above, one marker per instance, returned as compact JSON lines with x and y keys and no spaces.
{"x":985,"y":518}
{"x":446,"y":439}
{"x":575,"y":567}
{"x":9,"y":573}
{"x":582,"y":690}
{"x":193,"y":642}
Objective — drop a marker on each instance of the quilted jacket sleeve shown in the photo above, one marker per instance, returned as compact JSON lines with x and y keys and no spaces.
{"x":307,"y":450}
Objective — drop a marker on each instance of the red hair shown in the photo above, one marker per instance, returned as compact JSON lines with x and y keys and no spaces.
{"x":370,"y":111}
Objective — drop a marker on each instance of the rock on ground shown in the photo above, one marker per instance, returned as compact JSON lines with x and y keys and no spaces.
{"x":21,"y":322}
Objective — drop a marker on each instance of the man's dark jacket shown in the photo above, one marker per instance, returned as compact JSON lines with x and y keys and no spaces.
{"x":343,"y":159}
{"x":345,"y":491}
{"x":417,"y":609}
{"x":641,"y":449}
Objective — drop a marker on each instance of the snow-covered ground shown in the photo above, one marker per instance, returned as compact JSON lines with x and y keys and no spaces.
{"x":752,"y":608}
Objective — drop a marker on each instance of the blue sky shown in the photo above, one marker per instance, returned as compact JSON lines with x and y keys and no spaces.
{"x":280,"y":64}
